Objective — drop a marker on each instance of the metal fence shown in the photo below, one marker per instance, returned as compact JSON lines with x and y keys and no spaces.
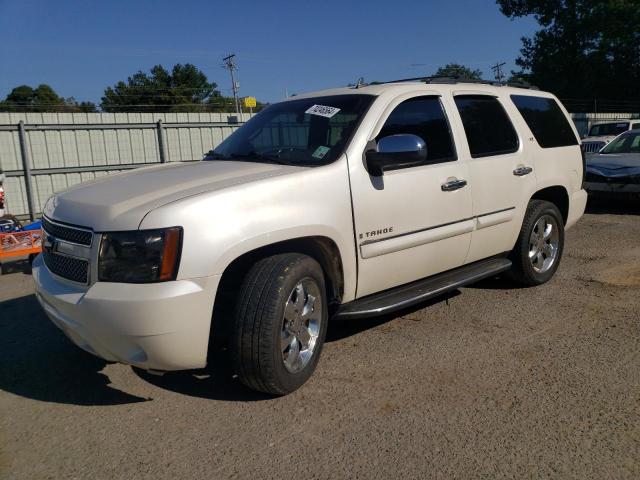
{"x":42,"y":153}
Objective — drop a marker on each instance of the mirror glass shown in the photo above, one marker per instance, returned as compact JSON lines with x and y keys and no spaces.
{"x":401,"y":143}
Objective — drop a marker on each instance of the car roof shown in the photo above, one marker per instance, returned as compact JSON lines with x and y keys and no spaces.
{"x":403,"y":86}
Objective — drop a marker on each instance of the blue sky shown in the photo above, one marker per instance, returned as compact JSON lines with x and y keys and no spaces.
{"x":80,"y":47}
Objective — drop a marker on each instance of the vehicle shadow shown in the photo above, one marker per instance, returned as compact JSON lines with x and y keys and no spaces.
{"x":340,"y":329}
{"x":215,"y":382}
{"x":16,"y":266}
{"x":501,"y":282}
{"x":604,"y":204}
{"x":218,"y":382}
{"x":38,"y":362}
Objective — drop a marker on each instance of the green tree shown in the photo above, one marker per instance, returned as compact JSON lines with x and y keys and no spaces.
{"x":185,"y":88}
{"x":86,"y":107}
{"x":42,"y":99}
{"x":26,"y":99}
{"x":585,"y":48}
{"x":458,"y":71}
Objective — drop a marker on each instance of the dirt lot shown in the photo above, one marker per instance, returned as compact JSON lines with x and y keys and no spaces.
{"x":493,"y":382}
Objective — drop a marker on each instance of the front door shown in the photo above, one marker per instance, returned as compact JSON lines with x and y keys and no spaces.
{"x":411,"y":222}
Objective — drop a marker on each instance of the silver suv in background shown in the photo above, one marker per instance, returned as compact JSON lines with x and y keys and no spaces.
{"x":602,"y":133}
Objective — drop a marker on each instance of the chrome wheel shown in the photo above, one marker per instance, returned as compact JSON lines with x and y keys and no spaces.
{"x":543,"y":244}
{"x":301,"y":325}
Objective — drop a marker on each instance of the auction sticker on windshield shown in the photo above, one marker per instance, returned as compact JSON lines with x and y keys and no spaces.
{"x":323,"y":111}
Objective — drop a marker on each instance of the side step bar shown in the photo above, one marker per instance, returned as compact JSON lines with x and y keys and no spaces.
{"x":410,"y":294}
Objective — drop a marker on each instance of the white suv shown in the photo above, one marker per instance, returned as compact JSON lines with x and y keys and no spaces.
{"x":600,"y":134}
{"x":351,"y":202}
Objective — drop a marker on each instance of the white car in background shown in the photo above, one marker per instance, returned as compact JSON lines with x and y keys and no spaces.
{"x":602,"y":133}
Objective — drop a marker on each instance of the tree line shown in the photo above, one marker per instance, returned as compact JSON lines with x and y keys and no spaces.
{"x":184,"y":88}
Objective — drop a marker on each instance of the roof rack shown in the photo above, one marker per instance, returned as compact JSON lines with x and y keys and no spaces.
{"x":450,"y":80}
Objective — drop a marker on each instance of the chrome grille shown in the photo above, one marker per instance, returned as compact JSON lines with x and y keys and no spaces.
{"x":592,"y":147}
{"x":68,"y":233}
{"x":74,"y":269}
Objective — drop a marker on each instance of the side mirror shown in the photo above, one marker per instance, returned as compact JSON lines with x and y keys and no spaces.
{"x":396,"y":151}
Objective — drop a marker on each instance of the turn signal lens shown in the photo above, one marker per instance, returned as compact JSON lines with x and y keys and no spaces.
{"x":170,"y":254}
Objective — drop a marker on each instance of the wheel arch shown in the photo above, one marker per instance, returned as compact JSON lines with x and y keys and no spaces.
{"x":322,"y":249}
{"x":558,"y":195}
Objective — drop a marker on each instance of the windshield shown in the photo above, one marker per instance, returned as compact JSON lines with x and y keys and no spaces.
{"x":628,"y":143}
{"x":305,"y":132}
{"x":615,"y":128}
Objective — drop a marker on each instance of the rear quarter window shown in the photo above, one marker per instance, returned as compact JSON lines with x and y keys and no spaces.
{"x":548,"y":124}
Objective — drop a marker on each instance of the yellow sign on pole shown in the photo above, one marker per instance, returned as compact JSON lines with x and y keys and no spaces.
{"x":250,"y":102}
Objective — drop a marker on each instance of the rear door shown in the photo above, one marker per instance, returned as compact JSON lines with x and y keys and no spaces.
{"x":500,"y":174}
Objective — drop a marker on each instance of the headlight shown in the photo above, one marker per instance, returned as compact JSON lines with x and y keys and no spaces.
{"x":142,"y":256}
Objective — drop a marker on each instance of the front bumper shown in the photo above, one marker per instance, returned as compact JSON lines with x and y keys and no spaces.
{"x":160,"y":326}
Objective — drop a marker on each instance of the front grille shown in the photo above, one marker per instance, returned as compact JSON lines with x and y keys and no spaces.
{"x":68,"y":233}
{"x":592,"y":147}
{"x":74,"y":269}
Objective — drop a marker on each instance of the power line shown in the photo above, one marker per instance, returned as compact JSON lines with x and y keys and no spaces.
{"x":229,"y":63}
{"x":497,"y":70}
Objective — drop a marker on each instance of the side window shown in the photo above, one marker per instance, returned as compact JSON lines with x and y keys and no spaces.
{"x":424,"y":117}
{"x":635,"y":126}
{"x":487,"y":126}
{"x":546,"y":121}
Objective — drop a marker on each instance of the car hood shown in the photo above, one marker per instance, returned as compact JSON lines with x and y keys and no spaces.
{"x":120,"y":201}
{"x":603,"y":138}
{"x":614,"y":164}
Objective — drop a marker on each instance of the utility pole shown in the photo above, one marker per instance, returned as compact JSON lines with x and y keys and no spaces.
{"x":497,"y":71}
{"x":230,"y":63}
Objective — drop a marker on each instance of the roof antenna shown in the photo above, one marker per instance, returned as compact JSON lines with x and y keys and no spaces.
{"x":360,"y":82}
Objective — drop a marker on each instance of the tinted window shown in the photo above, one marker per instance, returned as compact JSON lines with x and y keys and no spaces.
{"x":546,"y":121}
{"x":424,"y":117}
{"x":635,"y":126}
{"x":615,"y":128}
{"x":306,"y":132}
{"x":487,"y":126}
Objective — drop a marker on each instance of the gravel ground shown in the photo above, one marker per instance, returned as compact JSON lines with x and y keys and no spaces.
{"x":492,"y":382}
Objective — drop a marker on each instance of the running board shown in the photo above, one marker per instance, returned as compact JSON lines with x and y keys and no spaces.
{"x":416,"y":292}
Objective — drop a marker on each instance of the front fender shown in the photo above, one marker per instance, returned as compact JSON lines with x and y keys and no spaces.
{"x":220,"y":226}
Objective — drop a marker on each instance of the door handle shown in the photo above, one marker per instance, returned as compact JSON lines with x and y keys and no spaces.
{"x":452,"y":185}
{"x":521,"y":171}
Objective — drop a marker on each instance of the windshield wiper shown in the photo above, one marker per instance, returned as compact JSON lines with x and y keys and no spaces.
{"x":215,"y":156}
{"x":260,"y":157}
{"x":249,"y":157}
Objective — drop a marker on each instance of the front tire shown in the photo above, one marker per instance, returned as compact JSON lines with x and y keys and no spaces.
{"x":280,"y":323}
{"x":538,"y":250}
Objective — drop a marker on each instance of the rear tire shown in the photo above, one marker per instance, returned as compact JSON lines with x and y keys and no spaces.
{"x":538,"y":250}
{"x":280,"y":323}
